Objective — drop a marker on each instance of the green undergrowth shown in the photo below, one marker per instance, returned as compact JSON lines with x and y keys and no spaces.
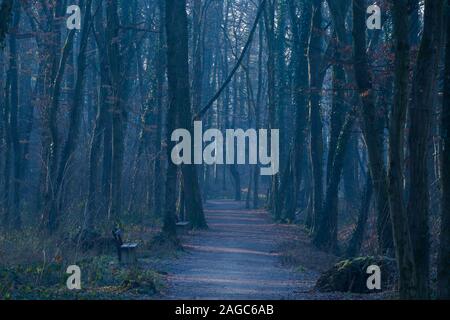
{"x":101,"y":278}
{"x":33,"y":264}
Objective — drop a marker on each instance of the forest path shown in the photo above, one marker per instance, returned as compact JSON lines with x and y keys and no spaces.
{"x":236,"y":258}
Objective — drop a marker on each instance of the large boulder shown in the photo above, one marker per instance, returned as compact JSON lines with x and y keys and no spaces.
{"x":351,"y":275}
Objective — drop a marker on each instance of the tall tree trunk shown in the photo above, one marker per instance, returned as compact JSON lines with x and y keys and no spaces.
{"x":316,"y":134}
{"x":8,"y":157}
{"x":233,"y":167}
{"x":27,"y":107}
{"x":194,"y":205}
{"x":112,"y":35}
{"x":326,"y":235}
{"x":160,"y":78}
{"x":370,"y":128}
{"x":179,"y":102}
{"x":197,"y":51}
{"x":75,"y":112}
{"x":175,"y":20}
{"x":13,"y":118}
{"x":256,"y":172}
{"x":421,"y":107}
{"x":51,"y":215}
{"x":443,"y":274}
{"x":402,"y":239}
{"x":5,"y":16}
{"x":93,"y":203}
{"x":337,"y":111}
{"x":301,"y":34}
{"x":356,"y":240}
{"x":282,"y":85}
{"x":350,"y":173}
{"x":269,"y":23}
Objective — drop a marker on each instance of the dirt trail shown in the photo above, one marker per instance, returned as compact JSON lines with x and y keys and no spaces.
{"x":236,"y":259}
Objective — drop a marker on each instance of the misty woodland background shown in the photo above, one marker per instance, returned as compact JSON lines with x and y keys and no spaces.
{"x":86,"y":117}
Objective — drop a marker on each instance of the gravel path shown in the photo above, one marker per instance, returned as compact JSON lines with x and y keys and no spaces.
{"x":236,"y":258}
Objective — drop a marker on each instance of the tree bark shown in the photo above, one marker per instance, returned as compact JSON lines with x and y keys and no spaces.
{"x":75,"y":112}
{"x":269,"y":23}
{"x":370,"y":129}
{"x":51,"y":215}
{"x":179,"y":103}
{"x":5,"y":16}
{"x":256,"y":172}
{"x":443,"y":273}
{"x":315,"y":118}
{"x":114,"y":59}
{"x":421,"y":107}
{"x":99,"y":134}
{"x":301,"y":34}
{"x":326,"y":235}
{"x":356,"y":240}
{"x":158,"y":178}
{"x":13,"y":75}
{"x":402,"y":238}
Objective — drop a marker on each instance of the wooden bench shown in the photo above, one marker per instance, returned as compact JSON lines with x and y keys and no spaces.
{"x":126,"y":252}
{"x":183,"y":227}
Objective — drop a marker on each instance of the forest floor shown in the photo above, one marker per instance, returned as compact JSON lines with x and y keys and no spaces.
{"x":245,"y":255}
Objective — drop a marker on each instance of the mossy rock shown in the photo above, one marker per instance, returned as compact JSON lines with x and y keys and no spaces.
{"x":351,"y":275}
